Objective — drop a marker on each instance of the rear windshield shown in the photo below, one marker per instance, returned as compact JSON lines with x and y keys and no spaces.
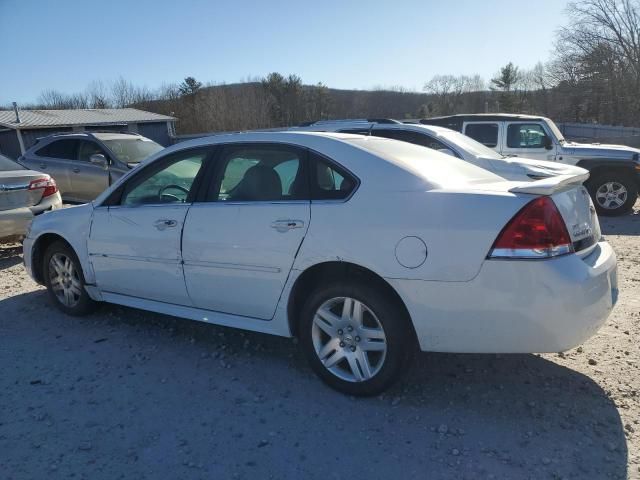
{"x":7,"y":165}
{"x":425,"y":162}
{"x":132,"y":150}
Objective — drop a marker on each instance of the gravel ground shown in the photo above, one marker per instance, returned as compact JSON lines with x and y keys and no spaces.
{"x":129,"y":394}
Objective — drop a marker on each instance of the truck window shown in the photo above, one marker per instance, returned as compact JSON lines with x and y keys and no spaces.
{"x":525,"y":135}
{"x":485,"y":133}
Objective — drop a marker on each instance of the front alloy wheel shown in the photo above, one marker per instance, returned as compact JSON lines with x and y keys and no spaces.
{"x":64,"y":280}
{"x":611,"y":195}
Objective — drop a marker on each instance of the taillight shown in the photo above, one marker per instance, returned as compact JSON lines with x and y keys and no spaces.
{"x":536,"y":231}
{"x":48,"y":185}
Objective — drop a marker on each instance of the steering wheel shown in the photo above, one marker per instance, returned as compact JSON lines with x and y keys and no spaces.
{"x":173,"y":197}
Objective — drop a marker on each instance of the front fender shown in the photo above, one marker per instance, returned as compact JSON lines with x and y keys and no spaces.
{"x":73,"y":225}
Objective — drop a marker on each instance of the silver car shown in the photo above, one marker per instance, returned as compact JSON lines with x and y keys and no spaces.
{"x":85,"y":164}
{"x":23,"y":195}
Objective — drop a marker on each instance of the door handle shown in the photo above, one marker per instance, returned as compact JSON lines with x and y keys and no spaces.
{"x":43,"y":165}
{"x":76,"y":170}
{"x":164,"y":223}
{"x":286,"y":225}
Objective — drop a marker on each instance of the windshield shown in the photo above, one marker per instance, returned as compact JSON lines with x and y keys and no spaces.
{"x":471,"y":146}
{"x":7,"y":165}
{"x":555,"y":130}
{"x":132,"y":150}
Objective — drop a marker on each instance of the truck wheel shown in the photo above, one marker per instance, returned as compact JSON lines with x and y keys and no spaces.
{"x":613,"y":194}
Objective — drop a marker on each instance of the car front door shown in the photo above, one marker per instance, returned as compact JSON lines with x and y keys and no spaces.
{"x":529,"y":140}
{"x":134,"y":244}
{"x":239,"y":244}
{"x":89,"y":180}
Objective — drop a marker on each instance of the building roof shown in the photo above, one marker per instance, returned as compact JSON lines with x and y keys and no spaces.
{"x":69,"y":118}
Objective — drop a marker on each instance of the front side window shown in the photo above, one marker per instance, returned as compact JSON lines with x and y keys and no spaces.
{"x":328,"y":181}
{"x":526,"y":135}
{"x":261,"y":173}
{"x":485,"y":133}
{"x":66,"y":149}
{"x":170,"y":181}
{"x":87,"y":148}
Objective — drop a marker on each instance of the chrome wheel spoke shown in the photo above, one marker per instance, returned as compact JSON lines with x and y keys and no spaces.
{"x":327,"y":321}
{"x":334,"y":358}
{"x":330,"y":347}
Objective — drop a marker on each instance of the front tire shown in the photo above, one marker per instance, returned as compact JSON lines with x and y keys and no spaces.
{"x":65,"y":281}
{"x":613,"y":193}
{"x":356,"y":338}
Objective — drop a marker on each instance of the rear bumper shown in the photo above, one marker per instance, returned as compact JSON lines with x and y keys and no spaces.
{"x":515,"y":306}
{"x":16,"y":222}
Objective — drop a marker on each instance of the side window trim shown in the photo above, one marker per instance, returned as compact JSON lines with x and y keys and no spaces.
{"x":212,"y":183}
{"x":115,"y":198}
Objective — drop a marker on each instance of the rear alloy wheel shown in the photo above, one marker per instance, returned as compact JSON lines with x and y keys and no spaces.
{"x":355,"y":338}
{"x":65,"y":281}
{"x":353,"y":345}
{"x":613,"y":194}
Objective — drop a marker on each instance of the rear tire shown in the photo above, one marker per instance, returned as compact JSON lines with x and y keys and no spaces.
{"x":356,"y":338}
{"x":65,"y":281}
{"x":613,"y":193}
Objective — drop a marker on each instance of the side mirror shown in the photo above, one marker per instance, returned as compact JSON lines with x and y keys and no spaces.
{"x":99,"y":160}
{"x":446,"y":151}
{"x":548,"y":144}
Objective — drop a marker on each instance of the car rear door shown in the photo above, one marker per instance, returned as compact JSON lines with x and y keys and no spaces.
{"x":487,"y":133}
{"x":134,"y":244}
{"x":240,"y":242}
{"x":56,"y":158}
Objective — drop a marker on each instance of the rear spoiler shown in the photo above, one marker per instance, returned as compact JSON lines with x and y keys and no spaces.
{"x":550,"y":185}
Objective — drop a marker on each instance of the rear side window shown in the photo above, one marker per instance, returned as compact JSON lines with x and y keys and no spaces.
{"x":525,"y":135}
{"x":66,"y":149}
{"x":485,"y":133}
{"x":261,"y":173}
{"x":329,"y":181}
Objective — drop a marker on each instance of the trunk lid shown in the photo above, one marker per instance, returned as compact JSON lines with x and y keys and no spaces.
{"x":14,"y":189}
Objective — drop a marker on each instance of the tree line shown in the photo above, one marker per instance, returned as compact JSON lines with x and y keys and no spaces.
{"x":593,"y":75}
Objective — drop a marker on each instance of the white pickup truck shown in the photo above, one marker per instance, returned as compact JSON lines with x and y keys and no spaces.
{"x":614,"y":169}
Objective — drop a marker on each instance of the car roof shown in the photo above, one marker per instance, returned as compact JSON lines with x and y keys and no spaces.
{"x":336,"y":125}
{"x":486,"y":116}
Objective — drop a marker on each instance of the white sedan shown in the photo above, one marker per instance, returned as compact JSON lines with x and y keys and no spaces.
{"x":363,"y":247}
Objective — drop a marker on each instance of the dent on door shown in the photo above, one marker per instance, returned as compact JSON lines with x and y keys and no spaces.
{"x":136,"y":251}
